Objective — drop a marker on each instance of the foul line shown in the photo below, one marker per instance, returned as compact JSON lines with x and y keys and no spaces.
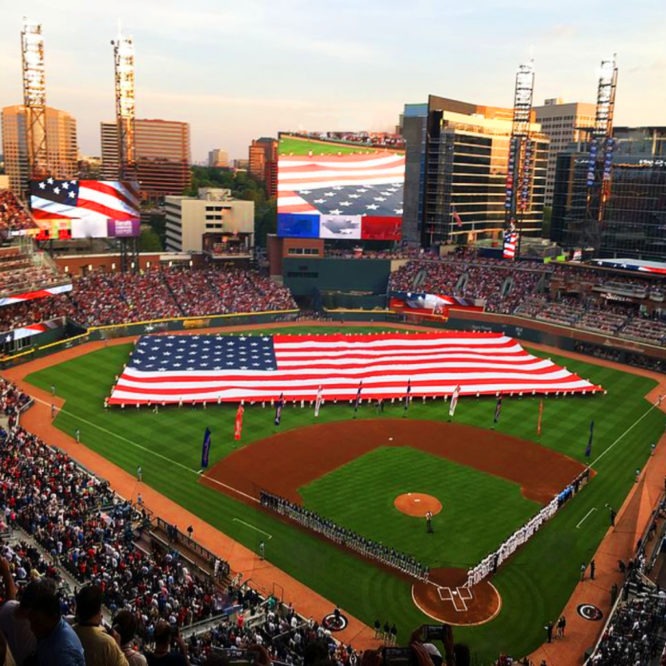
{"x":631,"y":427}
{"x":252,"y":527}
{"x":147,"y":450}
{"x":594,"y":508}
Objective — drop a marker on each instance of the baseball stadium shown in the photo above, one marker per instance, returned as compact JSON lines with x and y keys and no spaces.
{"x":381,"y":440}
{"x":372,"y":502}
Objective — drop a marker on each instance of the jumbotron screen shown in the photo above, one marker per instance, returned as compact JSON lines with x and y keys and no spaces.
{"x":344,"y":185}
{"x":85,"y":208}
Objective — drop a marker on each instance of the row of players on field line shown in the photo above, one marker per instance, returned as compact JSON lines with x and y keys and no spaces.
{"x":407,"y":563}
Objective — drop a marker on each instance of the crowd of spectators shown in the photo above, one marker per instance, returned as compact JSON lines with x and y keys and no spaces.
{"x":635,"y":633}
{"x":12,"y":401}
{"x":90,"y":532}
{"x":13,"y":215}
{"x":347,"y":538}
{"x":578,"y":297}
{"x":116,"y":298}
{"x":83,"y":528}
{"x":23,"y":272}
{"x":35,"y":311}
{"x":100,"y":299}
{"x":363,"y":253}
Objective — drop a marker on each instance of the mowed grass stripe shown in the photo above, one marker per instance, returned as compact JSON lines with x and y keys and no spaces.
{"x":479,"y":511}
{"x":535,"y":583}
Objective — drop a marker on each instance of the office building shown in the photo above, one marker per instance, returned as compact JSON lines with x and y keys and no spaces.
{"x":61,"y":145}
{"x":218,"y":158}
{"x":456,"y":172}
{"x":211,"y":222}
{"x":262,"y":163}
{"x":564,"y":124}
{"x":162,"y":149}
{"x":632,"y":222}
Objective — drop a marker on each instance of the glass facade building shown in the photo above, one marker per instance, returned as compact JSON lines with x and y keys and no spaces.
{"x":455,"y":180}
{"x":633,"y":223}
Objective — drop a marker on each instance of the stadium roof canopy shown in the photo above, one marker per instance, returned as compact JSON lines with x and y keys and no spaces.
{"x":655,"y":267}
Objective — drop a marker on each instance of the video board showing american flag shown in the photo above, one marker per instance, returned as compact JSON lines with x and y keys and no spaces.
{"x":230,"y":368}
{"x":93,"y":208}
{"x":353,"y":185}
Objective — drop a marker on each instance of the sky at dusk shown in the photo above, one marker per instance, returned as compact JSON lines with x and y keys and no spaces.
{"x":238,"y":71}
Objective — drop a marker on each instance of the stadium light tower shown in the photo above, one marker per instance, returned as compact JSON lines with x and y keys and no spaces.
{"x":34,"y":98}
{"x":123,"y":55}
{"x":520,"y":171}
{"x":600,"y":161}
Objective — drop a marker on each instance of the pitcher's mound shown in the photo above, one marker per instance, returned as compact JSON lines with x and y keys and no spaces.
{"x":417,"y":504}
{"x":445,"y":599}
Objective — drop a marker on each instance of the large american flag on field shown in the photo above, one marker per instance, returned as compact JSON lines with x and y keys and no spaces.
{"x":230,"y":368}
{"x":93,"y":200}
{"x":353,"y":184}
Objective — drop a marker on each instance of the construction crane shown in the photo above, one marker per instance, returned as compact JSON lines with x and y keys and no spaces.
{"x":520,"y":171}
{"x":34,"y":100}
{"x":600,"y":161}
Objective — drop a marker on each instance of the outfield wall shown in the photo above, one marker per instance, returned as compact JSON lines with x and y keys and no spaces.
{"x":528,"y":330}
{"x":145,"y":327}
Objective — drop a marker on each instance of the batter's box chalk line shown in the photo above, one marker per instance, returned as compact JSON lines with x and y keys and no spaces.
{"x":457,"y":597}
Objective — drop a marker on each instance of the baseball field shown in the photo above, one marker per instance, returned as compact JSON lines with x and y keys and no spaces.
{"x":350,"y":467}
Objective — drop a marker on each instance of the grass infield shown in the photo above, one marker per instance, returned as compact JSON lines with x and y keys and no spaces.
{"x":534,"y":584}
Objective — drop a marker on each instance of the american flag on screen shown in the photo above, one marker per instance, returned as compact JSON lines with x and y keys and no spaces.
{"x":231,"y":368}
{"x":355,"y":184}
{"x":98,"y":200}
{"x":510,"y":242}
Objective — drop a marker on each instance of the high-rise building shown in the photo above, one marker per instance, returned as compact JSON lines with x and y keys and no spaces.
{"x":633,"y":223}
{"x":263,"y":163}
{"x":61,"y":145}
{"x":218,"y":158}
{"x":564,"y":124}
{"x":162,"y":153}
{"x":110,"y":161}
{"x":456,"y":170}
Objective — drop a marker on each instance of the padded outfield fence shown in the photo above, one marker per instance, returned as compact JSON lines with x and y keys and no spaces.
{"x":528,"y":330}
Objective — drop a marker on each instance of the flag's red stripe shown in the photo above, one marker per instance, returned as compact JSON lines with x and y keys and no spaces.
{"x":325,"y":371}
{"x":269,"y":389}
{"x":105,"y":188}
{"x":40,"y":214}
{"x":113,"y":213}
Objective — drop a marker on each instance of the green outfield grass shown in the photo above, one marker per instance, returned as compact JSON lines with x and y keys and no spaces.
{"x":290,"y":145}
{"x":479,"y":509}
{"x":534,"y":584}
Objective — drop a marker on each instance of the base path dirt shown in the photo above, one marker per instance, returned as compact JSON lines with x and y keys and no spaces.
{"x":445,"y":598}
{"x":287,"y":461}
{"x":581,"y":634}
{"x":417,"y":504}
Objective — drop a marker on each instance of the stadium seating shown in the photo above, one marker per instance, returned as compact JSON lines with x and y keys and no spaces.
{"x":68,"y":525}
{"x":13,"y":215}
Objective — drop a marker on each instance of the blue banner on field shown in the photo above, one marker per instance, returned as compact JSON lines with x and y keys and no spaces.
{"x":298,"y":225}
